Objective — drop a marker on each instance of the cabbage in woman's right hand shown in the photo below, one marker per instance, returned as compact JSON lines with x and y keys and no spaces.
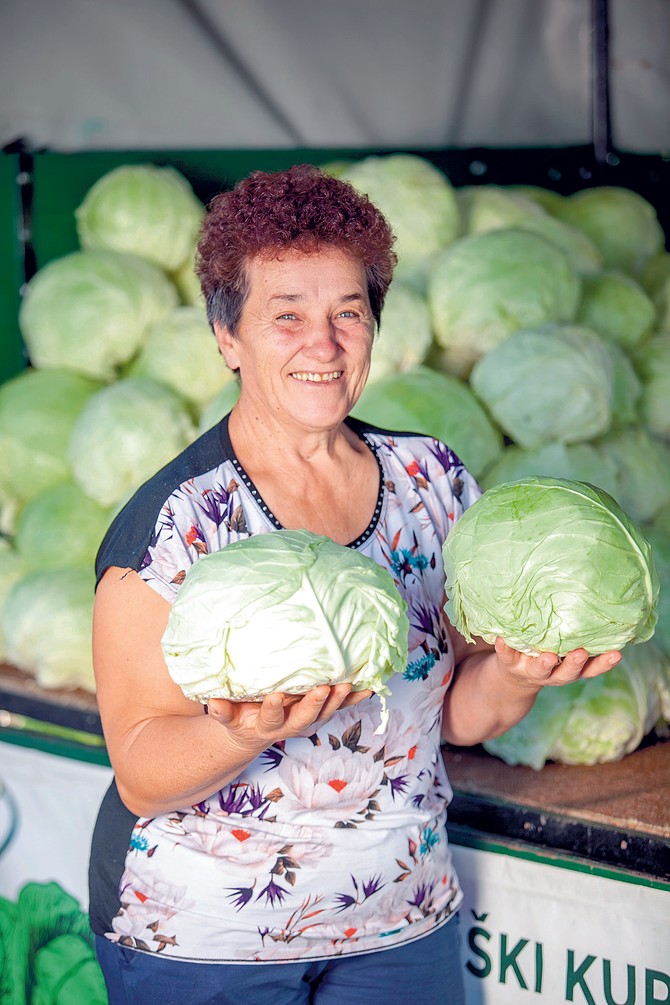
{"x":284,"y":611}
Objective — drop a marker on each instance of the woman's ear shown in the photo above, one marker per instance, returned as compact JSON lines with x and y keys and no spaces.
{"x":227,"y":344}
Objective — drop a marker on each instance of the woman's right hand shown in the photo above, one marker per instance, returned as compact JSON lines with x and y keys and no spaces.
{"x":279,"y":716}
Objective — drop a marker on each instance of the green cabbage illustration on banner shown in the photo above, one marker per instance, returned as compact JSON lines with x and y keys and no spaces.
{"x":47,"y":954}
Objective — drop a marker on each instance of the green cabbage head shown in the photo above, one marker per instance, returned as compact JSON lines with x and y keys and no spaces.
{"x":642,"y":462}
{"x":46,"y":620}
{"x":617,"y":307}
{"x":626,"y":389}
{"x":418,"y":201}
{"x":219,"y":405}
{"x":284,"y":611}
{"x":405,"y":334}
{"x":653,"y":365}
{"x":13,"y":567}
{"x":423,"y":400}
{"x":485,"y":286}
{"x":181,"y":351}
{"x":38,"y":411}
{"x":88,"y":311}
{"x":578,"y":461}
{"x":550,"y":565}
{"x":124,"y":434}
{"x":658,"y":535}
{"x":493,"y":207}
{"x":655,"y":279}
{"x":61,"y":526}
{"x":623,"y":224}
{"x":551,"y":384}
{"x":141,"y":209}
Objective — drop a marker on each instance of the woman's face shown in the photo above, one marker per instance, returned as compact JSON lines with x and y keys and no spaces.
{"x":304,"y":339}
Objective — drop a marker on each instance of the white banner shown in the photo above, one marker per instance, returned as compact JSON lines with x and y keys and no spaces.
{"x":532,"y":931}
{"x":48,"y":806}
{"x":543,"y":933}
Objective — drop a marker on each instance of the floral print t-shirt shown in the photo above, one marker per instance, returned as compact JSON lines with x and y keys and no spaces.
{"x":329,"y":844}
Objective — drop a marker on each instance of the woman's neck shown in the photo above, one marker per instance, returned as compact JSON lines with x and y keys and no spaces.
{"x":267,"y":442}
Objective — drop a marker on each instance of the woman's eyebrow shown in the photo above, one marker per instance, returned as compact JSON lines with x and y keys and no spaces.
{"x":286,"y":297}
{"x":294,"y":297}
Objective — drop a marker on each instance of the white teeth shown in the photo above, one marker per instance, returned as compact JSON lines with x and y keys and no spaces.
{"x":318,"y":378}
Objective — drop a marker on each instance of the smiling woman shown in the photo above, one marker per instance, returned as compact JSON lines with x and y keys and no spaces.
{"x":291,"y":830}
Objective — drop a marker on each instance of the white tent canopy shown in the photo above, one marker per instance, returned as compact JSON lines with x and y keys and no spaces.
{"x":147,"y":74}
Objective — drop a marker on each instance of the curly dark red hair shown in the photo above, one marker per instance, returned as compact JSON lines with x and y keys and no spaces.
{"x":301,"y":208}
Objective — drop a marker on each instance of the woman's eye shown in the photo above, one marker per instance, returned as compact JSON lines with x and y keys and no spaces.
{"x":286,"y":317}
{"x":347,"y":314}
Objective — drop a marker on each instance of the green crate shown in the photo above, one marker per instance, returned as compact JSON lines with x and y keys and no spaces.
{"x":52,"y":185}
{"x":58,"y":183}
{"x":61,"y":181}
{"x":12,"y":354}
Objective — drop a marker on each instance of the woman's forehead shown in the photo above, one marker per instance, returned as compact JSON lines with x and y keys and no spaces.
{"x":303,"y":271}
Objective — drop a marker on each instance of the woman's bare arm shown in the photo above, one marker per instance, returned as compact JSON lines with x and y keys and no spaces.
{"x":165,"y":751}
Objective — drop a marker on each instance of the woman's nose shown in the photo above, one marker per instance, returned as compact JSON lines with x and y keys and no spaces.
{"x":322,"y":340}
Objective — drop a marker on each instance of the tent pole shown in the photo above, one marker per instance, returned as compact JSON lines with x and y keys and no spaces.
{"x":601,"y":124}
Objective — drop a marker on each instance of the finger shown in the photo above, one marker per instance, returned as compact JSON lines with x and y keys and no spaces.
{"x":601,"y":664}
{"x":510,"y":656}
{"x":291,"y":699}
{"x":271,"y":714}
{"x":538,"y":668}
{"x":568,"y":668}
{"x":306,"y":711}
{"x":354,"y":697}
{"x":222,"y":710}
{"x":572,"y":665}
{"x":338,"y":695}
{"x":504,"y":652}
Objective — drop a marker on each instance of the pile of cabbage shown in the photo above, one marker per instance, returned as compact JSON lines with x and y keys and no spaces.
{"x":122,"y":365}
{"x":528,"y":329}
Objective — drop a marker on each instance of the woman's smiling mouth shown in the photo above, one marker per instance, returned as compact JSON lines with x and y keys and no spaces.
{"x":318,"y":378}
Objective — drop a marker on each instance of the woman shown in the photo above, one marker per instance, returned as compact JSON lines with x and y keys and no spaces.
{"x":289,"y":831}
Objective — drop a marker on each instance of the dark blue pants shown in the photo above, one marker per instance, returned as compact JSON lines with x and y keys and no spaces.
{"x":428,"y":971}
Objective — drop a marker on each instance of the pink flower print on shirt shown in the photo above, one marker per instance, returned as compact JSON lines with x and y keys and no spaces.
{"x":247,"y":850}
{"x":338,"y":784}
{"x":147,"y":907}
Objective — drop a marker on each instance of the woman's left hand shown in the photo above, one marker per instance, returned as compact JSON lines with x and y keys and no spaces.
{"x":547,"y":669}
